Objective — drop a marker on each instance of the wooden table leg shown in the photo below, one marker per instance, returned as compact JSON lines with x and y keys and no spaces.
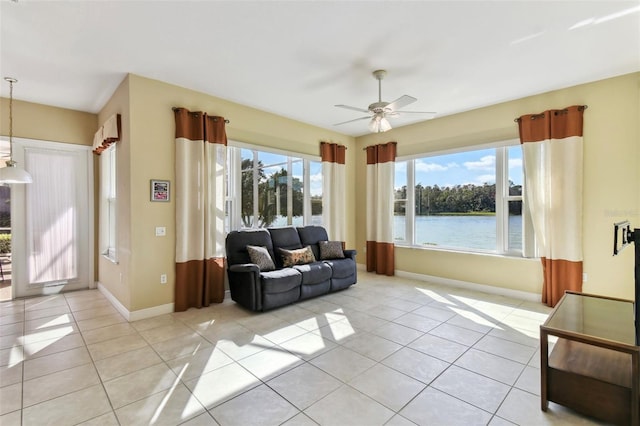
{"x":544,"y":361}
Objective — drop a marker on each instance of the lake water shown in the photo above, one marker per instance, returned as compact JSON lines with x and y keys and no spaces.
{"x":472,"y":232}
{"x":467,"y":232}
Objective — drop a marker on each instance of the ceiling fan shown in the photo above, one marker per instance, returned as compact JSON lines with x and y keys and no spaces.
{"x":380,"y":111}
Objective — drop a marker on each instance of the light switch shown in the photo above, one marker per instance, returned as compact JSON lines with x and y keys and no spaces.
{"x":161,"y":231}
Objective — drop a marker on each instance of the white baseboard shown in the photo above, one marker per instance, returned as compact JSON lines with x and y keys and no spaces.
{"x":501,"y":291}
{"x":135,"y":315}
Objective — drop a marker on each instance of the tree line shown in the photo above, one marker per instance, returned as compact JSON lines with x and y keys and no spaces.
{"x":460,"y":199}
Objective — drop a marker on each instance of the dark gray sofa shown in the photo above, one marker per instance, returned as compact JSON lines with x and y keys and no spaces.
{"x":263,"y":290}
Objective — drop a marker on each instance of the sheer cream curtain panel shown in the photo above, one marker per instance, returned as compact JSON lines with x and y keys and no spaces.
{"x":552,"y":149}
{"x":200,"y":189}
{"x":380,"y":175}
{"x":333,"y":189}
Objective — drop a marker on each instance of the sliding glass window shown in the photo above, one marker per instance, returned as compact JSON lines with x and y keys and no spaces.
{"x":467,"y":200}
{"x":269,"y":188}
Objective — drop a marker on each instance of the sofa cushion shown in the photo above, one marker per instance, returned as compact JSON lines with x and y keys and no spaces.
{"x":284,"y":237}
{"x":261,"y":257}
{"x":297,"y":257}
{"x":342,"y":268}
{"x":311,"y":235}
{"x":237,"y":242}
{"x":331,"y":250}
{"x":314,"y":273}
{"x":280,"y":280}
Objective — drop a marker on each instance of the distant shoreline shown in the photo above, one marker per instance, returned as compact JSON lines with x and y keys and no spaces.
{"x":458,"y":214}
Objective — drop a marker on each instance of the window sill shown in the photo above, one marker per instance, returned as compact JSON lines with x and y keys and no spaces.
{"x":465,"y":251}
{"x":111,"y":259}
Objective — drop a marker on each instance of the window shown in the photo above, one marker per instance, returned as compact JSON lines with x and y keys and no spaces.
{"x":108,"y":203}
{"x":470,"y":200}
{"x":269,"y":188}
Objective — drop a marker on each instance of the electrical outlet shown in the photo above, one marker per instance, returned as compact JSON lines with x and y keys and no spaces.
{"x":163,"y":278}
{"x":161,"y":231}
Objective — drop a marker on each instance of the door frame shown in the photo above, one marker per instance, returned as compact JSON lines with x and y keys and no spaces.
{"x":18,"y":222}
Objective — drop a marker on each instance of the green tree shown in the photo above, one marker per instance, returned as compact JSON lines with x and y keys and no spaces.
{"x":247,"y":190}
{"x":399,"y":207}
{"x":272,"y":195}
{"x":456,"y":199}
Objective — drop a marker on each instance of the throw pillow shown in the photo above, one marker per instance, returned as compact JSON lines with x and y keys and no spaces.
{"x":261,"y":257}
{"x":297,"y":257}
{"x":331,"y":250}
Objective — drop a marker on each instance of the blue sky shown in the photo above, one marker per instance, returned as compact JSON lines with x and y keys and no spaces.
{"x":475,"y":167}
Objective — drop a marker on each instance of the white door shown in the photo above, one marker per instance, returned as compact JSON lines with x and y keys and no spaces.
{"x":52,"y":219}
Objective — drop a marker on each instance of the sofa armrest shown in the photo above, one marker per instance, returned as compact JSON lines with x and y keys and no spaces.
{"x":351,"y":254}
{"x":245,"y":267}
{"x":245,"y":286}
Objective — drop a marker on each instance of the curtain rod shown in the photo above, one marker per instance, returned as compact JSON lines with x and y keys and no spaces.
{"x":176,"y":108}
{"x":533,"y":116}
{"x":365,"y":148}
{"x":345,"y":147}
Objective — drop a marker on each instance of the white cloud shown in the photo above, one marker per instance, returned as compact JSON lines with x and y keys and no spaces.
{"x":488,"y":162}
{"x":515,"y":162}
{"x":432,"y":167}
{"x":315,"y":184}
{"x":482,"y":179}
{"x":316,"y":177}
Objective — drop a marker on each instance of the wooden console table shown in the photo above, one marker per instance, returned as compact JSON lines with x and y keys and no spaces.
{"x":594,"y":366}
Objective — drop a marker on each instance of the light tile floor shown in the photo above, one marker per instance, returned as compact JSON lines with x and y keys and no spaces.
{"x":387,"y":351}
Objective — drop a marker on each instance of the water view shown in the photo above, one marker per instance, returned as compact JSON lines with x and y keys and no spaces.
{"x":471,"y":232}
{"x":459,"y":231}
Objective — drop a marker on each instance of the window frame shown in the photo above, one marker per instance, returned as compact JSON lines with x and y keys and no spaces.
{"x":109,"y":204}
{"x":501,"y":201}
{"x":234,"y":184}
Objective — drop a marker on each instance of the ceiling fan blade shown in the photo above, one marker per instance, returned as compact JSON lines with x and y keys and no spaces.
{"x":355,"y":119}
{"x":402,"y":101}
{"x":415,"y":112}
{"x":352,"y":108}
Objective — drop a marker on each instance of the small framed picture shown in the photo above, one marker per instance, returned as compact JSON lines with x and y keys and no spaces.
{"x":160,"y":190}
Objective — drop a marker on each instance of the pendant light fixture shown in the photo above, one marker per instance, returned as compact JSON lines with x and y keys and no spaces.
{"x":12,"y":173}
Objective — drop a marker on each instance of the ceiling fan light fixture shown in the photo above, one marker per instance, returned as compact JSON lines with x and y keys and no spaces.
{"x":384,"y":125}
{"x":379,"y":124}
{"x":379,"y":112}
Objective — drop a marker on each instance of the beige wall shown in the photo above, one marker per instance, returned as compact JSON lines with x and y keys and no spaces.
{"x":151,"y":154}
{"x":611,"y":177}
{"x":47,"y":123}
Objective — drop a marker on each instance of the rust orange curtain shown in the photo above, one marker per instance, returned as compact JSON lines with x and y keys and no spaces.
{"x":380,"y":174}
{"x":333,"y":193}
{"x":201,"y":144}
{"x":552,"y":147}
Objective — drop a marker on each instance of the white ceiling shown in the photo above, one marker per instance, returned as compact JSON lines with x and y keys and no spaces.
{"x":298,"y":59}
